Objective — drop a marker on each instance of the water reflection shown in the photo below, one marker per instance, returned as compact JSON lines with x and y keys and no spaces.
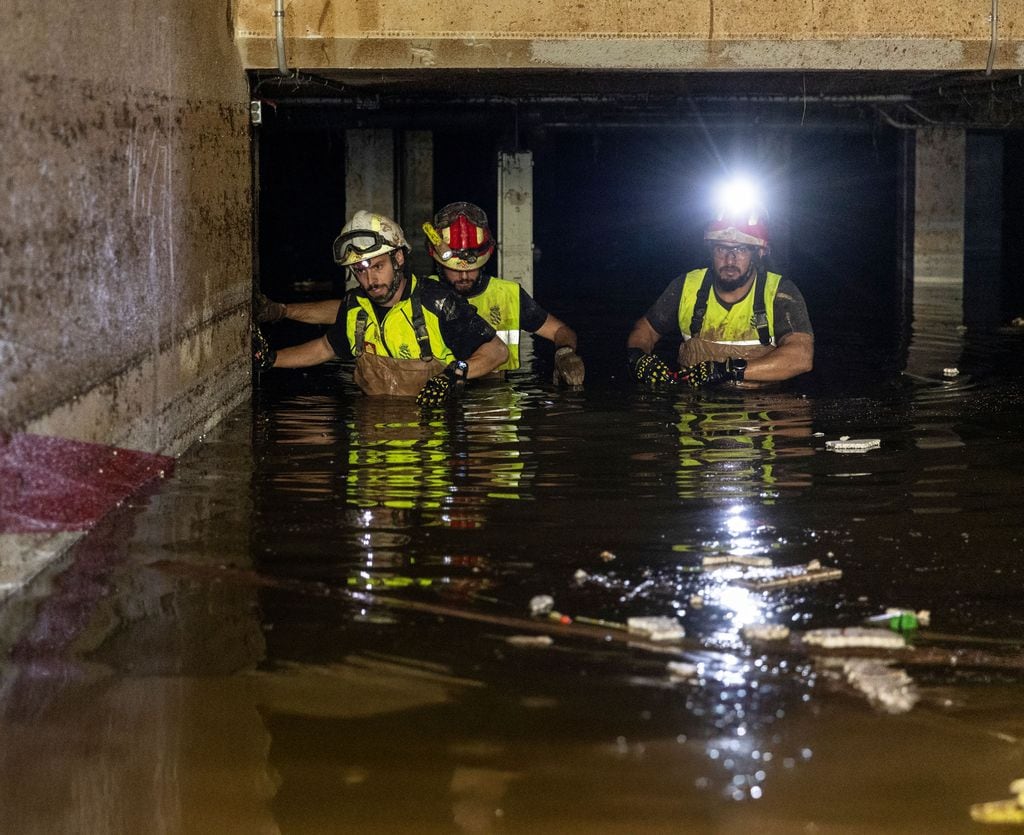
{"x":729,"y":445}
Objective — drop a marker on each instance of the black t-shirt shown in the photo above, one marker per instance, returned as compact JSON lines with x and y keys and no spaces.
{"x":461,"y":328}
{"x":790,"y":310}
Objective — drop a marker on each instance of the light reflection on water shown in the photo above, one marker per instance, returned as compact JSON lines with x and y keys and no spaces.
{"x":356,"y":715}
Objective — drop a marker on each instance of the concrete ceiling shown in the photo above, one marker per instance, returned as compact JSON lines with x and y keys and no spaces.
{"x":944,"y":61}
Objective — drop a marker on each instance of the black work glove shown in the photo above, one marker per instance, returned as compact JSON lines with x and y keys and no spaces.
{"x":262,"y":353}
{"x":442,"y":387}
{"x":708,"y":373}
{"x":266,"y":310}
{"x":649,"y":370}
{"x":569,"y":368}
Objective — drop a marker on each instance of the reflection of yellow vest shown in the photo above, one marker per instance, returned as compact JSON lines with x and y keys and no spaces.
{"x":395,"y":335}
{"x":730,"y":326}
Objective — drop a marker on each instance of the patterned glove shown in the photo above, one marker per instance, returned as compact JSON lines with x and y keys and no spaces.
{"x":569,"y":368}
{"x":266,"y":310}
{"x":709,"y":373}
{"x":262,"y":353}
{"x":442,"y":387}
{"x":650,"y":370}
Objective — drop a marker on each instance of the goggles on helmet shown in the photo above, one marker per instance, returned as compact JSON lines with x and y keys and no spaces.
{"x":361,"y":242}
{"x":450,"y":213}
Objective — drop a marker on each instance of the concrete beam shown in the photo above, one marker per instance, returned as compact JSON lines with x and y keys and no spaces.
{"x":953,"y":35}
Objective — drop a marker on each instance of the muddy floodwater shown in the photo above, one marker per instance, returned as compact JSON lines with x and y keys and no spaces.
{"x":330,"y":617}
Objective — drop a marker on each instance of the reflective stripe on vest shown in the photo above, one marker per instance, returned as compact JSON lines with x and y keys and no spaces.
{"x":737,"y":325}
{"x":498,"y":305}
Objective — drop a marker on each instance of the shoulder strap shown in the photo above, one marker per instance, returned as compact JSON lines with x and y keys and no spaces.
{"x":419,"y":325}
{"x":760,"y":310}
{"x":362,"y":317}
{"x":700,"y":305}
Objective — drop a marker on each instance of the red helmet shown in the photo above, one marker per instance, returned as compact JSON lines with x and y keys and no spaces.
{"x":468,"y":244}
{"x":741,"y":217}
{"x":746,"y":228}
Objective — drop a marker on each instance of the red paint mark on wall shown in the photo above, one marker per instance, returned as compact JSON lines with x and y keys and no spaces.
{"x":55,"y":484}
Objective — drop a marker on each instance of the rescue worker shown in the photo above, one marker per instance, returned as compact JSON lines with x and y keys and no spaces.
{"x":460,"y":241}
{"x":740,"y":323}
{"x":409,"y":337}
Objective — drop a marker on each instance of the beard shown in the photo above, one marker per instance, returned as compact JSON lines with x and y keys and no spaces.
{"x":733,"y":279}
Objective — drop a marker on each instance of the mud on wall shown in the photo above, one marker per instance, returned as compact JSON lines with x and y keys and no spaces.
{"x":125,"y":266}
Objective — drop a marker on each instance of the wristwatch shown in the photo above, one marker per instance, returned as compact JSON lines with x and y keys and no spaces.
{"x":458,"y":371}
{"x":739,"y":368}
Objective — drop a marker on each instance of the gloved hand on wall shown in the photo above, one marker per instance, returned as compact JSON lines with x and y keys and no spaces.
{"x":262,"y":353}
{"x":569,"y":368}
{"x":267,"y":310}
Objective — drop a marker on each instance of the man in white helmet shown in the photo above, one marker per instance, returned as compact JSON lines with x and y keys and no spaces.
{"x":409,"y":337}
{"x":460,"y":241}
{"x":739,"y":322}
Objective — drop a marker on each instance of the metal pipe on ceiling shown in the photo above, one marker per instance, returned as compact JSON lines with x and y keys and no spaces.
{"x":282,"y":61}
{"x":994,"y":38}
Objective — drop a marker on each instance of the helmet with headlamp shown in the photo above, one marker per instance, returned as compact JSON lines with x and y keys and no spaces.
{"x":460,"y":237}
{"x":740,"y":217}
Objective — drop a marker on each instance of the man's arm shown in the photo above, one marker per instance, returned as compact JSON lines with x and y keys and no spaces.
{"x":309,"y":353}
{"x":643,"y":336}
{"x":793,"y":355}
{"x":555,"y":330}
{"x":486,"y":358}
{"x":313,"y":313}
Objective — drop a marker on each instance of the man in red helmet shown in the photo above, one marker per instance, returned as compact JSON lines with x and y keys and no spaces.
{"x":460,"y":241}
{"x":739,"y":322}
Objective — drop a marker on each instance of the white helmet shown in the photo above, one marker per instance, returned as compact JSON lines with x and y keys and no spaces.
{"x":366,"y":236}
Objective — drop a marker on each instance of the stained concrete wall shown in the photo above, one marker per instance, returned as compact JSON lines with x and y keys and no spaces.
{"x":636,"y":34}
{"x":125,"y":220}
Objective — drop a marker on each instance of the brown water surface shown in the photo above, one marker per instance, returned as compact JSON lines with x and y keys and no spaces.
{"x":306,"y":629}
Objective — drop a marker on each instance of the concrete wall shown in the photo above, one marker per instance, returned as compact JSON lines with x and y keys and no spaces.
{"x":125,"y":220}
{"x":636,"y":34}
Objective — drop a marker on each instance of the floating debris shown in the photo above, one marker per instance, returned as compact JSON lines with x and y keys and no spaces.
{"x":696,"y":601}
{"x":902,"y":620}
{"x":684,"y":670}
{"x":607,"y":556}
{"x":732,"y":559}
{"x":607,"y":624}
{"x":854,"y":636}
{"x":656,"y":628}
{"x":885,"y":686}
{"x":765,"y":632}
{"x":529,"y":640}
{"x":1002,"y":811}
{"x":541,"y":604}
{"x":777,"y":578}
{"x":581,"y":576}
{"x":951,"y":372}
{"x":847,"y":444}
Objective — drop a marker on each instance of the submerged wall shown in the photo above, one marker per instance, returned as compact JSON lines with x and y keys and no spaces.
{"x":125,"y":221}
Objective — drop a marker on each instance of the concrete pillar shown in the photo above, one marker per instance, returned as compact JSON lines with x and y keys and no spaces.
{"x":983,"y":230}
{"x":939,"y":225}
{"x":370,"y":171}
{"x":939,"y":175}
{"x":515,"y":218}
{"x":416,"y":195}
